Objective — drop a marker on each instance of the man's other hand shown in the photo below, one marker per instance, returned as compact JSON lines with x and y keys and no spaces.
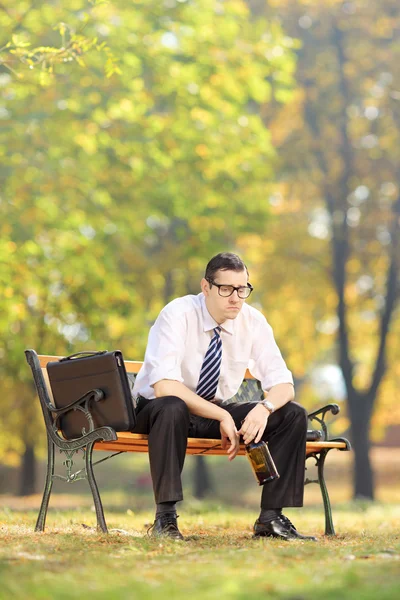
{"x":229,"y":436}
{"x":254,"y":424}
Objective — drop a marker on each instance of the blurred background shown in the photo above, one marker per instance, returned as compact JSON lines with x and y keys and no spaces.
{"x":137,"y":140}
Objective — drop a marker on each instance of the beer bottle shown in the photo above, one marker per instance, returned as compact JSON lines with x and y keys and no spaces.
{"x":261,"y":462}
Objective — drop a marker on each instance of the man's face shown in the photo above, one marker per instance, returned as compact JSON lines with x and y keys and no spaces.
{"x":219,"y":307}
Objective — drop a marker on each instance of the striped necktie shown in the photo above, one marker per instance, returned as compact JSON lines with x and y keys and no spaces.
{"x":209,"y":374}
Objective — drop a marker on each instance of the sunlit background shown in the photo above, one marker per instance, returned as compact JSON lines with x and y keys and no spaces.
{"x":138,"y":139}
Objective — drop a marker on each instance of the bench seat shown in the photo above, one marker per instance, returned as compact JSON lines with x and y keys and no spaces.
{"x":137,"y":442}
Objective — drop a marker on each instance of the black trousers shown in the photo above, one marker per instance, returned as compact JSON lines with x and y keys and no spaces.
{"x":168,"y":423}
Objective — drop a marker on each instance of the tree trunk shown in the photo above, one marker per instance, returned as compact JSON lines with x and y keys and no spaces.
{"x":27,"y":481}
{"x":202,"y":484}
{"x":360,"y":408}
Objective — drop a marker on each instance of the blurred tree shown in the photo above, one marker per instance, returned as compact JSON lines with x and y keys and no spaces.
{"x":339,"y":203}
{"x":116,"y":190}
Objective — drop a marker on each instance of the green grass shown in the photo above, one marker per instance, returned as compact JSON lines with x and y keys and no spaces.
{"x":219,"y":560}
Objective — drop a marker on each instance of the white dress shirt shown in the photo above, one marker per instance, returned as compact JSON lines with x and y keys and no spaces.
{"x":179,"y":339}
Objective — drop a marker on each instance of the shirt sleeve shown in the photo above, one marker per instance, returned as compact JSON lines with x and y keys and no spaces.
{"x":165,"y":348}
{"x":266,"y":363}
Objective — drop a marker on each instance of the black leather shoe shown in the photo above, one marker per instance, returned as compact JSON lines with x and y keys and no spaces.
{"x":293,"y":528}
{"x":166,"y":525}
{"x":281,"y":528}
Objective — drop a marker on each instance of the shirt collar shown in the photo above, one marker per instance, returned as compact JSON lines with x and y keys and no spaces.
{"x":209,"y":323}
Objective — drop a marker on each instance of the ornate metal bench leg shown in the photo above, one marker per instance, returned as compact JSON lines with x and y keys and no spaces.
{"x":329,"y":529}
{"x":41,"y":520}
{"x":101,"y":523}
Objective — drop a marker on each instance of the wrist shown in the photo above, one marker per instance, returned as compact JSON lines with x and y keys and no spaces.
{"x":224,"y":415}
{"x":269,"y":407}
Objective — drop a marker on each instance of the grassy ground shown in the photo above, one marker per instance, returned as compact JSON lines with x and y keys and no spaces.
{"x":219,"y":559}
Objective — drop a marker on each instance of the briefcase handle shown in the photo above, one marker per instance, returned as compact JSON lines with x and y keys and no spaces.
{"x":85,"y":354}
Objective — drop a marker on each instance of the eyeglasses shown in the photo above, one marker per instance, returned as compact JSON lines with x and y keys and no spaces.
{"x":243,"y":291}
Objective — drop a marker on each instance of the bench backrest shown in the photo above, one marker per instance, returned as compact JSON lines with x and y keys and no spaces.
{"x":249,"y":391}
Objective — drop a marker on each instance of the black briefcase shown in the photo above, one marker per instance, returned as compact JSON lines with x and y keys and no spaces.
{"x":74,"y":376}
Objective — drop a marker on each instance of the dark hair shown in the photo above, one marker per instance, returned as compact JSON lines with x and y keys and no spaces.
{"x":224,"y":261}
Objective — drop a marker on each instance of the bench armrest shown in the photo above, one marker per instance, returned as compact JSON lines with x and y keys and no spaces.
{"x":319,"y":415}
{"x":95,"y":395}
{"x":345,"y":441}
{"x":82,"y":404}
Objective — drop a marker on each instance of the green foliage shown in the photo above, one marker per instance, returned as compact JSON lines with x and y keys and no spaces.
{"x":116,"y":190}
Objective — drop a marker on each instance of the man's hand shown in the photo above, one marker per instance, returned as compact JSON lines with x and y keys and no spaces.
{"x":254,"y":424}
{"x":229,"y":434}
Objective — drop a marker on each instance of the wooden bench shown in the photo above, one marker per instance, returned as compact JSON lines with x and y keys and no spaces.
{"x":106,"y":439}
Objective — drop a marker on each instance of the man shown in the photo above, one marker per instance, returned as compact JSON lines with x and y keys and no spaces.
{"x":197,"y":354}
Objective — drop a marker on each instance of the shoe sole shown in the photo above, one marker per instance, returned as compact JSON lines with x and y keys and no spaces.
{"x":286,"y":539}
{"x":166,"y":536}
{"x":276,"y":537}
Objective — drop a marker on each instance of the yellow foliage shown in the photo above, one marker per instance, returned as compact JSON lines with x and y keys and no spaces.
{"x":202,"y":150}
{"x":87,"y":142}
{"x":116,"y":326}
{"x":19,"y":311}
